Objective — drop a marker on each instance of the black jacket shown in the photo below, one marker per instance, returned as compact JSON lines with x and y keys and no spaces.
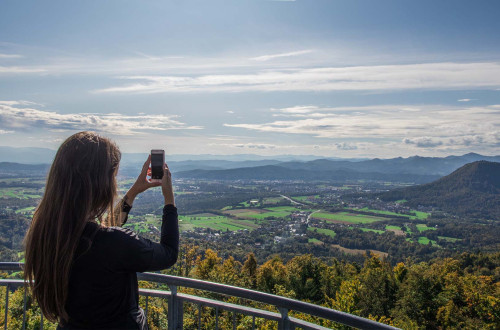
{"x":103,"y":290}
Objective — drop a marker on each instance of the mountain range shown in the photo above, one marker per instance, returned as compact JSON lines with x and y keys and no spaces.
{"x":472,"y":190}
{"x":412,"y":169}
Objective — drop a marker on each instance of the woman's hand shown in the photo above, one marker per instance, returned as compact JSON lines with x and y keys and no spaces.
{"x":142,"y":183}
{"x":166,"y":186}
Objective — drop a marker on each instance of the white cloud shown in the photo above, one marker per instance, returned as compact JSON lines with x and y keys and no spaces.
{"x":7,"y":56}
{"x":299,"y":109}
{"x":426,"y":126}
{"x":2,"y":131}
{"x":273,"y":56}
{"x":345,"y":146}
{"x":254,"y":146}
{"x":440,"y":76}
{"x":423,"y":142}
{"x":21,"y":69}
{"x":464,"y":100}
{"x":19,"y":114}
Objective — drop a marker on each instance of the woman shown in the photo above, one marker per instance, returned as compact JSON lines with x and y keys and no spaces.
{"x":80,"y":265}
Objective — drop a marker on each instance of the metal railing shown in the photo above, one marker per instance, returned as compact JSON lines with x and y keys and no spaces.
{"x":176,"y":302}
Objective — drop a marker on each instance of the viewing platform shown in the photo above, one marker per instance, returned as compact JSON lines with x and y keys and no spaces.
{"x":176,"y":301}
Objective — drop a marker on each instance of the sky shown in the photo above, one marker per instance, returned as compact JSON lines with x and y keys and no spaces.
{"x":306,"y":77}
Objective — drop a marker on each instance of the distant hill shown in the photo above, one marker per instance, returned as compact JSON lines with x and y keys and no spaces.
{"x":415,"y":165}
{"x":414,"y":169}
{"x":472,"y":190}
{"x":15,"y":169}
{"x":279,"y":172}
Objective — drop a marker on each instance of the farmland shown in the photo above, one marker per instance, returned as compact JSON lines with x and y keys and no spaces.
{"x":215,"y":222}
{"x":20,"y":193}
{"x":417,"y":214}
{"x":346,"y":217}
{"x":323,"y":231}
{"x":262,"y":214}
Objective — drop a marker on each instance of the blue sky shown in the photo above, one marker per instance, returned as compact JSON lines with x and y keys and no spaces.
{"x":330,"y":78}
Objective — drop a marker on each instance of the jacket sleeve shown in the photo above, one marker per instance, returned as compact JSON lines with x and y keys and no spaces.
{"x":132,"y":253}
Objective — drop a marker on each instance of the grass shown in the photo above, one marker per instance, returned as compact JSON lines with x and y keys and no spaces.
{"x":378,"y":231}
{"x":215,"y":222}
{"x":346,"y":217}
{"x":423,"y":227}
{"x":138,"y":227}
{"x":418,"y":214}
{"x":314,"y":241}
{"x":425,"y":240}
{"x":304,"y":198}
{"x":272,"y":200}
{"x":449,"y":239}
{"x":19,"y":192}
{"x":323,"y":231}
{"x":28,"y":209}
{"x":421,"y":215}
{"x":261,"y":214}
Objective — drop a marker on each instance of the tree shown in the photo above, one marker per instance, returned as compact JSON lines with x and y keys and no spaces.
{"x":249,"y":271}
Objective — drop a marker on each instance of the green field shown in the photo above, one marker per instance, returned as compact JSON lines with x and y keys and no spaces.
{"x":425,"y":240}
{"x":18,"y":192}
{"x":314,"y":241}
{"x":323,"y":231}
{"x":216,"y":222}
{"x":392,"y":228}
{"x":418,"y":214}
{"x":272,"y":200}
{"x":346,"y":217}
{"x":305,"y":198}
{"x":28,"y":209}
{"x":261,"y":214}
{"x":422,"y":227}
{"x":372,"y":230}
{"x":449,"y":239}
{"x":138,"y":227}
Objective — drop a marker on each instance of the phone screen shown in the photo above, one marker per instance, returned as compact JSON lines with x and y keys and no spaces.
{"x":157,"y":160}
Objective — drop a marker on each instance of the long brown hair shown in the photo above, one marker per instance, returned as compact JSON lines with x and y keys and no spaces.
{"x":81,"y":187}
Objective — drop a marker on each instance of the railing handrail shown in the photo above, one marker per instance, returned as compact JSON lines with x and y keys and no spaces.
{"x":267,"y":298}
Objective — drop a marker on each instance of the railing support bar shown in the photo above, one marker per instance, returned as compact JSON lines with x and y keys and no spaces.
{"x":175,"y":310}
{"x":199,"y":316}
{"x":24,"y":307}
{"x":6,"y":305}
{"x":147,"y":299}
{"x":234,"y":320}
{"x":284,"y":322}
{"x":216,"y":318}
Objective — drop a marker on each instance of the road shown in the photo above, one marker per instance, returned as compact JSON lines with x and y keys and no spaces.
{"x":292,"y":201}
{"x":309,"y":216}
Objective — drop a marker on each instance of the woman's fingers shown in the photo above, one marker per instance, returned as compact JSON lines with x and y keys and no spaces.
{"x":145,"y":167}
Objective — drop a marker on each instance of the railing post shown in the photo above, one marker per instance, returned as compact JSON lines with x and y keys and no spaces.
{"x":284,"y":323}
{"x":6,"y":305}
{"x":175,"y":310}
{"x":24,"y":306}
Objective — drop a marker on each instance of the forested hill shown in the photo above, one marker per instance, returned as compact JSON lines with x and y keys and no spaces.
{"x":472,"y":190}
{"x":278,"y":172}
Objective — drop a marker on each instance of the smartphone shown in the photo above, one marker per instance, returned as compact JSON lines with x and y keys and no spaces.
{"x":157,"y":161}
